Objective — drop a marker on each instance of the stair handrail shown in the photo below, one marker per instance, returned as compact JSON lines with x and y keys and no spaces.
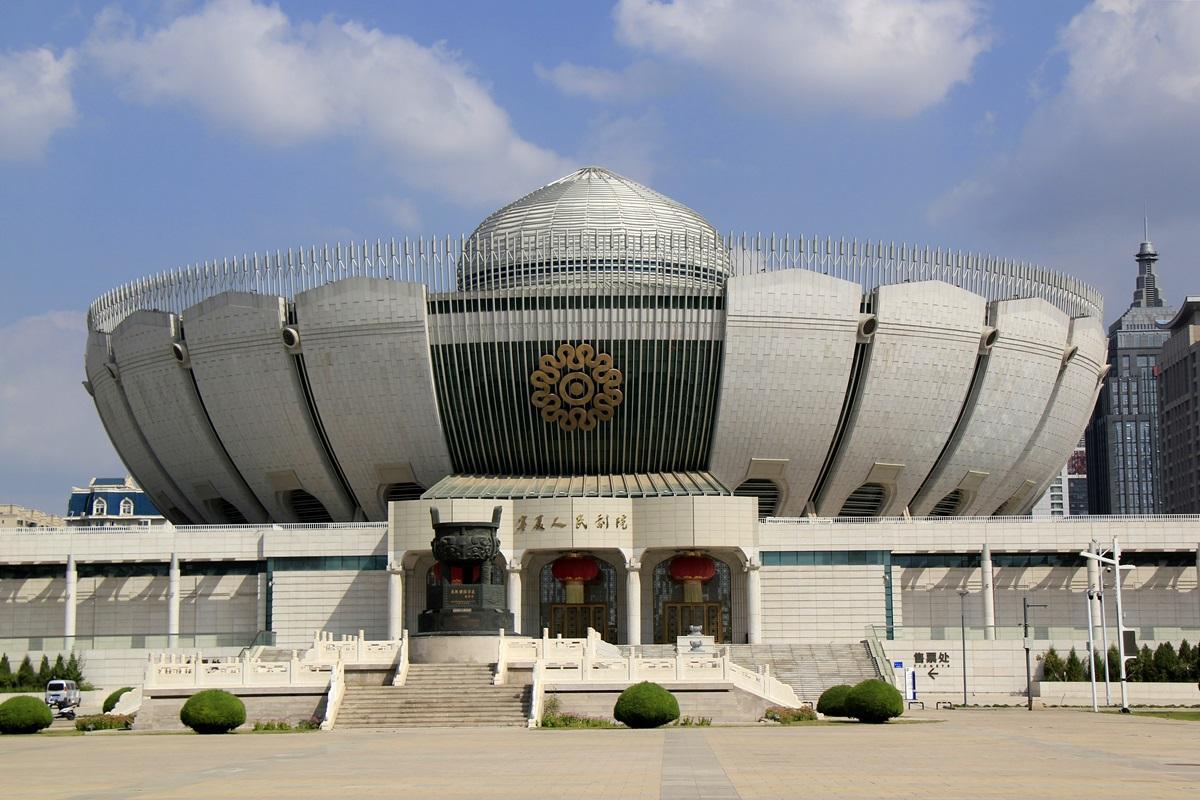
{"x":333,"y":697}
{"x":761,"y":683}
{"x":537,"y":690}
{"x":401,"y":675}
{"x":882,"y":664}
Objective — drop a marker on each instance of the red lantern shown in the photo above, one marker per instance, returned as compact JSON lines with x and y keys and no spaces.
{"x":692,"y":570}
{"x":573,"y":571}
{"x":457,"y":574}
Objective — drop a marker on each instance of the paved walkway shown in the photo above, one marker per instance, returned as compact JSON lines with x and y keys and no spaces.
{"x":977,"y":754}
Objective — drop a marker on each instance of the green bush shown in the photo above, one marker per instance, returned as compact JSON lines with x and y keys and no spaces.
{"x":874,"y":701}
{"x":832,"y":702}
{"x":646,"y":705}
{"x":104,"y":722}
{"x":790,"y":716}
{"x":213,"y":711}
{"x":110,"y":702}
{"x":24,"y":715}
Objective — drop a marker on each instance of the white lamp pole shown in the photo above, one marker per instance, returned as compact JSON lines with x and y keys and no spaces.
{"x":1115,"y":563}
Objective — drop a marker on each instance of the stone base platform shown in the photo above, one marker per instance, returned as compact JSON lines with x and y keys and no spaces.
{"x":449,"y":648}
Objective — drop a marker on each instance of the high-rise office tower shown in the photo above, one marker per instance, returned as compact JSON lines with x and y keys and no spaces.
{"x":1179,"y":384}
{"x":1123,"y":437}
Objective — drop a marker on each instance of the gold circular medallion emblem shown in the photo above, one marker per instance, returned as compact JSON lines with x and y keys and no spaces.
{"x":576,"y":387}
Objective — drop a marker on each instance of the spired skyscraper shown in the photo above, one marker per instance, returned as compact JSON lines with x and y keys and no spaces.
{"x":1123,"y":436}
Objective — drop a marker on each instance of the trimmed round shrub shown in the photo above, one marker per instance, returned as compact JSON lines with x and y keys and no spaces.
{"x":874,"y":701}
{"x":213,"y":711}
{"x":833,"y":701}
{"x":24,"y":715}
{"x":646,"y":705}
{"x":110,"y":702}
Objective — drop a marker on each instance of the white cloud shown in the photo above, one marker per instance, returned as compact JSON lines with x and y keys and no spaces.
{"x":50,"y":435}
{"x":877,"y":58}
{"x":639,"y":80}
{"x":251,"y":69}
{"x":35,"y":100}
{"x":1120,"y":131}
{"x":629,"y":145}
{"x":401,"y":212}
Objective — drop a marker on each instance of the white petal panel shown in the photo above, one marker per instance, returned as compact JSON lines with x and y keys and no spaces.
{"x":366,"y":350}
{"x":163,"y":399}
{"x":789,"y":346}
{"x":251,"y":388}
{"x":915,"y":381}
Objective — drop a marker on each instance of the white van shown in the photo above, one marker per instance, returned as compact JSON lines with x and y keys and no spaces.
{"x":63,"y":698}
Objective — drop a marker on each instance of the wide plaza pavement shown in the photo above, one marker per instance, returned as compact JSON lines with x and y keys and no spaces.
{"x":974,"y":753}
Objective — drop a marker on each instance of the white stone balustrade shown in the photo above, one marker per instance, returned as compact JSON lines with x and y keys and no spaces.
{"x":592,"y":660}
{"x":326,"y":649}
{"x":312,"y":667}
{"x":179,"y":670}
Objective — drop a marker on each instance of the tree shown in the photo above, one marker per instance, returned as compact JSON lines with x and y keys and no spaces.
{"x":74,"y":669}
{"x":1073,"y":670}
{"x":1114,"y":663}
{"x":1142,"y":668}
{"x":1097,"y":665}
{"x":59,"y":670}
{"x":43,"y":673}
{"x":1166,"y":663}
{"x":6,"y":674}
{"x":26,"y":677}
{"x":1187,"y":662}
{"x":1053,"y":668}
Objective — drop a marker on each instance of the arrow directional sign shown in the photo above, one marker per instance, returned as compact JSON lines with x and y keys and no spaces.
{"x":933,"y":673}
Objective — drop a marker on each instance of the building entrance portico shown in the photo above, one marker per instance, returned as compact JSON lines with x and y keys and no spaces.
{"x":636,"y":570}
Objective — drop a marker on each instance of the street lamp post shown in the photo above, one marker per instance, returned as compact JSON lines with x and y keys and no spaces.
{"x":962,"y":619}
{"x":1025,"y":606}
{"x":1115,"y":563}
{"x":1104,"y":641}
{"x":1091,"y":594}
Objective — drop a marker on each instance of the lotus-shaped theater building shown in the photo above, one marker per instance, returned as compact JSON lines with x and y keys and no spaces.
{"x":596,"y":339}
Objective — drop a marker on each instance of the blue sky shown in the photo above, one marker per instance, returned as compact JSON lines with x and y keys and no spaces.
{"x":140,"y":136}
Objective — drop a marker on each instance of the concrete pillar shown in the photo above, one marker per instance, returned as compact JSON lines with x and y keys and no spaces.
{"x":633,"y":602}
{"x":514,"y":594}
{"x":754,"y":602}
{"x":72,"y":579}
{"x":989,"y":593}
{"x":395,"y":616}
{"x":173,"y":603}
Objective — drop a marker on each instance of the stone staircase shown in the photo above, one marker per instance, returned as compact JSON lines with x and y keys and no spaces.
{"x":808,"y":668}
{"x":436,"y":696}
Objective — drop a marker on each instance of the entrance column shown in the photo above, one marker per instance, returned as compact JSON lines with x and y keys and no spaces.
{"x":633,"y":602}
{"x":395,"y":617}
{"x":72,"y":581}
{"x":754,"y":602}
{"x":989,"y":593}
{"x":513,"y":590}
{"x":173,"y":603}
